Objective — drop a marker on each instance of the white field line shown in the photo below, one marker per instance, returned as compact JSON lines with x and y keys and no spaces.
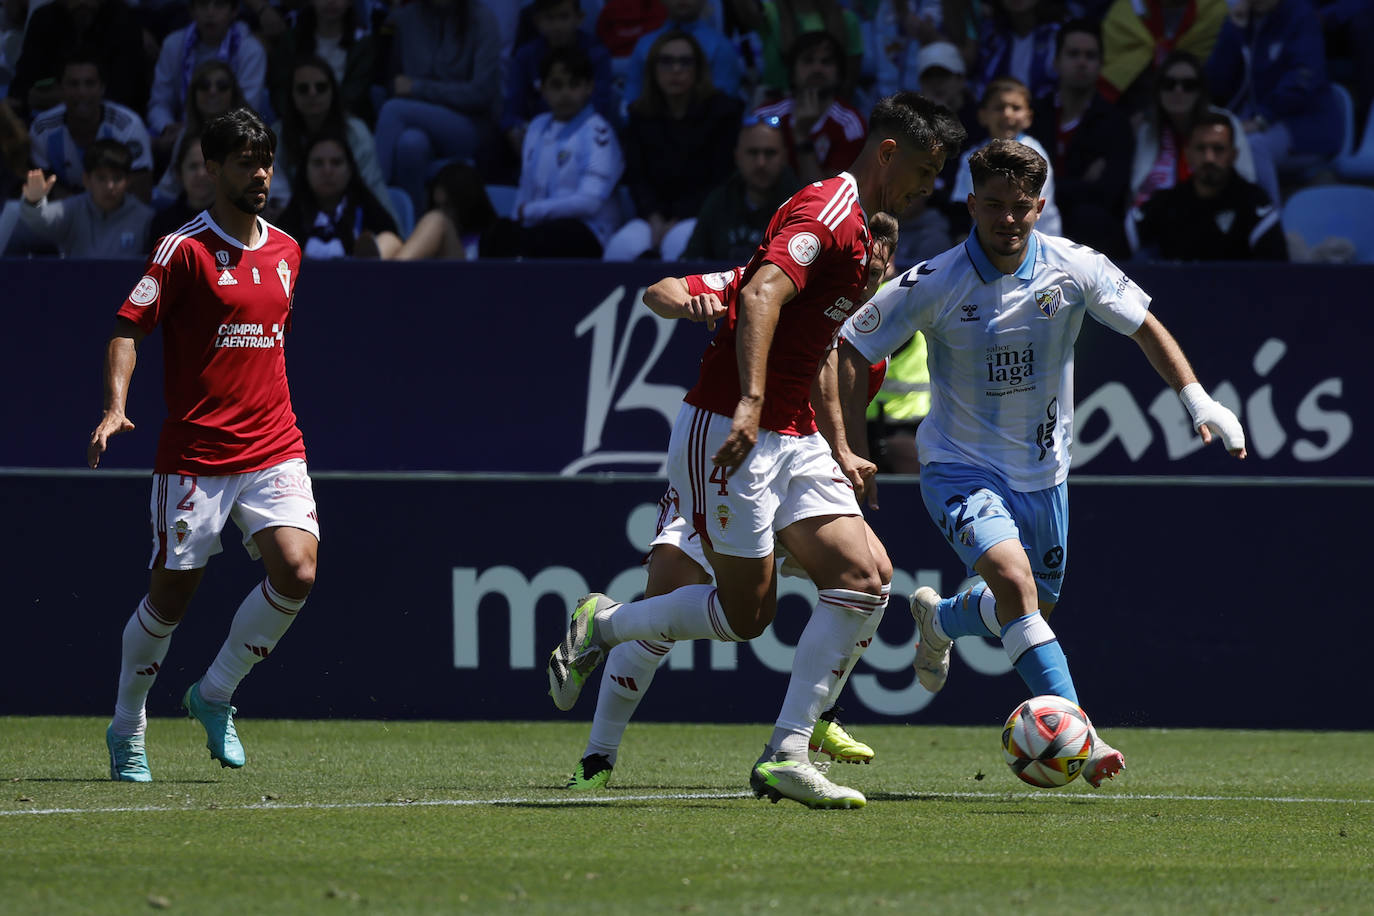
{"x":573,"y":800}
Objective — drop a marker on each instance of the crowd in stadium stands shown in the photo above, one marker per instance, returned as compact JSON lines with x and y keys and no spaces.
{"x":664,"y":129}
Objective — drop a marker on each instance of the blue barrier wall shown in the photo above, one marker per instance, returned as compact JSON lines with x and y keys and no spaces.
{"x":1190,"y":599}
{"x":555,"y":368}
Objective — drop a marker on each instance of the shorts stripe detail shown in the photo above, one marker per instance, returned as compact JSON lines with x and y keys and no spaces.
{"x":160,"y":523}
{"x":696,"y":470}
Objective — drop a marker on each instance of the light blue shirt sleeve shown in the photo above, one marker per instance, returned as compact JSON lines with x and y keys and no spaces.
{"x":892,"y":317}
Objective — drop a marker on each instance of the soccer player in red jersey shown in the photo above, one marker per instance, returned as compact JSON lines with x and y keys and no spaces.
{"x":675,"y":554}
{"x":221,"y":287}
{"x":748,"y":461}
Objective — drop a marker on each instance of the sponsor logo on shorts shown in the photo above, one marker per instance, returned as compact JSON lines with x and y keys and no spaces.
{"x":181,"y":530}
{"x":723,"y":516}
{"x":803,"y":247}
{"x":145,"y":291}
{"x":1053,"y":557}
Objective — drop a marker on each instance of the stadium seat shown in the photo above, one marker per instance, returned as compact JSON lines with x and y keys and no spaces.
{"x":1310,"y":167}
{"x":405,"y":211}
{"x":502,"y":198}
{"x":1357,"y":163}
{"x":1333,"y":211}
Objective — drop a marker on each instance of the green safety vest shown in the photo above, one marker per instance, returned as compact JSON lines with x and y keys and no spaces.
{"x":905,"y":394}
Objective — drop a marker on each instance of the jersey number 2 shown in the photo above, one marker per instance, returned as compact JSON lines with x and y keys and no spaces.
{"x":186,"y":505}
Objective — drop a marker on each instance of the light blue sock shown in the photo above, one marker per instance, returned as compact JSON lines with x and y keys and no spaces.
{"x":1038,"y":658}
{"x":964,"y":614}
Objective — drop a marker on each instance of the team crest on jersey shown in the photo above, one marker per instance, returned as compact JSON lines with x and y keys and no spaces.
{"x":718,"y":281}
{"x":867,"y":319}
{"x":181,"y":530}
{"x":284,"y":273}
{"x":723,"y":517}
{"x":227,"y":279}
{"x":257,"y":278}
{"x":222,"y":258}
{"x":1049,"y":300}
{"x":145,"y":291}
{"x":803,"y":247}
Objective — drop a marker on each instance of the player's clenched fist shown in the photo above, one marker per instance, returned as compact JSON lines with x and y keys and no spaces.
{"x":706,"y":308}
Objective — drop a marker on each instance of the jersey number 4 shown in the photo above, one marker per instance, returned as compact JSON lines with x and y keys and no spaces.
{"x":721,"y":476}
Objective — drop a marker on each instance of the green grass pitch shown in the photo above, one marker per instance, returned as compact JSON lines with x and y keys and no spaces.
{"x":442,"y":817}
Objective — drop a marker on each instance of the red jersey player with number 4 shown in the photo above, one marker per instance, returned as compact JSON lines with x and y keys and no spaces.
{"x":221,"y":288}
{"x":750,"y":466}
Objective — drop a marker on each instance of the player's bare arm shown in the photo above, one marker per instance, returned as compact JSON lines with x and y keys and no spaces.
{"x":830,"y":419}
{"x":759,"y":304}
{"x":851,"y":388}
{"x":1167,"y":358}
{"x":121,"y":354}
{"x":669,"y":298}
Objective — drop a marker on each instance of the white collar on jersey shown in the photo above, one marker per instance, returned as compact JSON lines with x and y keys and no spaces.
{"x":988,"y":273}
{"x":214,"y":226}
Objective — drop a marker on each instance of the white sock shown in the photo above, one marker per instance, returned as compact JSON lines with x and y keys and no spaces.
{"x":690,"y":612}
{"x":259,"y":622}
{"x":822,"y":654}
{"x":866,"y":632}
{"x":628,"y":672}
{"x":146,"y":639}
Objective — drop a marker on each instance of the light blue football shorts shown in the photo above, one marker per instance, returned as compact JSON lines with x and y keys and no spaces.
{"x":974,"y":509}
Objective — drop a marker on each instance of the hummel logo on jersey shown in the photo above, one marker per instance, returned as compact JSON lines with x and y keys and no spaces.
{"x":227,"y":279}
{"x":970,"y":312}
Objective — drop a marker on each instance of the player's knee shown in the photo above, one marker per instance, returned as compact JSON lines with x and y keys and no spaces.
{"x":749,"y":619}
{"x":297,"y":577}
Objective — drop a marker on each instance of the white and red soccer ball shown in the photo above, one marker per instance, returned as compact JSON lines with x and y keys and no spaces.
{"x":1047,"y":741}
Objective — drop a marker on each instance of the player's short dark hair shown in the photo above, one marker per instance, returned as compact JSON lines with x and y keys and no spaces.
{"x":237,"y":129}
{"x":107,"y":154}
{"x":913,"y":118}
{"x":883,"y":227}
{"x":1005,"y":84}
{"x":574,"y":59}
{"x":806,"y":41}
{"x":1211,"y":118}
{"x":1022,"y":166}
{"x":1083,"y":26}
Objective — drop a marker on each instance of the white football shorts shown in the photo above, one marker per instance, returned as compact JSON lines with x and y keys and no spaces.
{"x":785,"y":479}
{"x":189,"y":512}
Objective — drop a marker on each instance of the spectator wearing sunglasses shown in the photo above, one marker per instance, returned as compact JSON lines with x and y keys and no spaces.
{"x":315,"y":109}
{"x":1180,"y":101}
{"x":679,"y":141}
{"x":214,"y":91}
{"x":329,"y":30}
{"x":735,"y":214}
{"x":213,"y":34}
{"x":686,"y":16}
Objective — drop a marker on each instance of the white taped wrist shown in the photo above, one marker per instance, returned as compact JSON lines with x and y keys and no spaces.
{"x":1195,"y":398}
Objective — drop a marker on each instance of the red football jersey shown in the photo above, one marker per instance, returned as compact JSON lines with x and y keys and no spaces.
{"x":820,"y":239}
{"x":224,"y":311}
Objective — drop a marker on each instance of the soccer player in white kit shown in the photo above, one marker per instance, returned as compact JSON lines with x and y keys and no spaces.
{"x":221,"y":288}
{"x":748,"y":461}
{"x":1000,"y":314}
{"x":676,"y":557}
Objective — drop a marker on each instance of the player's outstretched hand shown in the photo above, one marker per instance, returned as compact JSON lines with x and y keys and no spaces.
{"x":112,"y":423}
{"x":706,"y":308}
{"x":744,"y":433}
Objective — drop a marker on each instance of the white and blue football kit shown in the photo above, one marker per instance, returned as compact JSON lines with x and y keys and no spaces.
{"x":995,"y":447}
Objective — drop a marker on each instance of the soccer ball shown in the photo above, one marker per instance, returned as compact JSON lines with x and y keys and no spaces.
{"x":1047,"y":741}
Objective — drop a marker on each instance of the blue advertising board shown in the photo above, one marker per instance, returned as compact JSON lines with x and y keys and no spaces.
{"x":440,"y":596}
{"x":556,"y":368}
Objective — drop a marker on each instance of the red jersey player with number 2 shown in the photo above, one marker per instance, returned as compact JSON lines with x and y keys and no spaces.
{"x":750,"y":466}
{"x":221,"y":288}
